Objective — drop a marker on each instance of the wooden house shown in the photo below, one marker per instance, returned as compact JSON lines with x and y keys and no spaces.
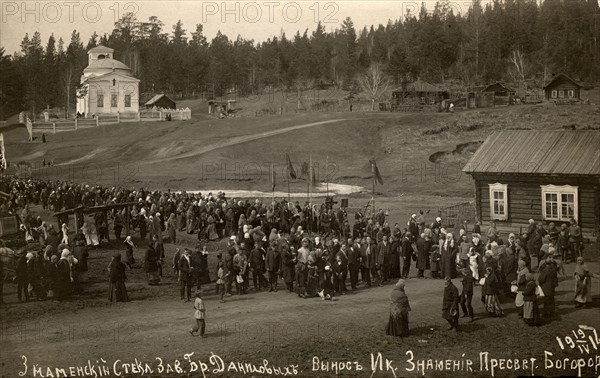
{"x":161,"y":101}
{"x":562,"y":87}
{"x":419,"y":93}
{"x":500,"y":93}
{"x":548,"y":175}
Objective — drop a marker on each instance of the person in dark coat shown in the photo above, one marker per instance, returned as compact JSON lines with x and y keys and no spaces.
{"x":509,"y":268}
{"x":466,"y":295}
{"x":531,"y":314}
{"x":257,"y":264}
{"x":423,"y":252}
{"x":395,"y":270}
{"x":534,"y":245}
{"x":185,"y":276}
{"x":151,"y":266}
{"x":196,"y":261}
{"x":273,"y":265}
{"x":159,"y":250}
{"x":175,"y":265}
{"x":548,"y":281}
{"x":81,"y":253}
{"x":228,"y":265}
{"x":369,"y":260}
{"x":338,"y":275}
{"x":204,"y":271}
{"x":450,"y":304}
{"x":384,"y":250}
{"x":353,"y":262}
{"x":407,"y":253}
{"x":117,"y":292}
{"x":63,"y":275}
{"x":22,"y":277}
{"x":288,"y":265}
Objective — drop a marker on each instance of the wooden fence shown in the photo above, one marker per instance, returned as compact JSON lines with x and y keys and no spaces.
{"x":454,"y":216}
{"x":108,"y":119}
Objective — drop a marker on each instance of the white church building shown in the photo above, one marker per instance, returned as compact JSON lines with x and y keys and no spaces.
{"x":108,"y":85}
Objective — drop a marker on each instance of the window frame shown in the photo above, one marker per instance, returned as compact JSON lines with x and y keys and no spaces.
{"x":554,"y":93}
{"x":560,"y":190}
{"x":114,"y":96}
{"x":502,"y":188}
{"x":128,"y":101}
{"x":570,"y":93}
{"x":99,"y":100}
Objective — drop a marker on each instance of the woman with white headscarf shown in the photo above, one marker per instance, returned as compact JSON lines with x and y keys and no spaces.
{"x":399,"y":308}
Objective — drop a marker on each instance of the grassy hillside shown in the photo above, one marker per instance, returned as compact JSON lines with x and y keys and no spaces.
{"x":416,"y":153}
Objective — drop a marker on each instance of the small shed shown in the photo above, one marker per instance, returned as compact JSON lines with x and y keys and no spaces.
{"x":218,"y":107}
{"x":562,"y":87}
{"x":549,"y":175}
{"x":161,"y":101}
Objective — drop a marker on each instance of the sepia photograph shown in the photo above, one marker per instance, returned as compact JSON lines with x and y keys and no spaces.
{"x":346,"y":188}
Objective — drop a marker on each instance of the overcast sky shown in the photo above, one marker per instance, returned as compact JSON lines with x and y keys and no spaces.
{"x":256,"y":20}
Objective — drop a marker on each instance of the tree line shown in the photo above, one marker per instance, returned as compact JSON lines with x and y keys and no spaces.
{"x":510,"y":40}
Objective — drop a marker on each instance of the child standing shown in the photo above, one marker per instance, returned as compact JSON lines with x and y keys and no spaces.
{"x":199,"y":315}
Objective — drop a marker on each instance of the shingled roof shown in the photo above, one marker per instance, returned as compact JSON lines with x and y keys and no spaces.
{"x":552,"y":152}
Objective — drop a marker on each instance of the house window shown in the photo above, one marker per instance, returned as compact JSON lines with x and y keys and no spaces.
{"x":554,"y":93}
{"x":113,"y":101}
{"x":100,"y":102}
{"x":498,"y":201}
{"x":571,"y":93}
{"x":559,"y":202}
{"x":128,"y":101}
{"x":561,"y":93}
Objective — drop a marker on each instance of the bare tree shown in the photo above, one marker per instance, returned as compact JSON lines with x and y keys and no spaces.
{"x":517,"y":58}
{"x":374,"y":81}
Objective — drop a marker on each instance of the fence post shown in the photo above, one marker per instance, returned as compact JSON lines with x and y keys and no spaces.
{"x":97,"y":121}
{"x":160,"y":115}
{"x":53,"y":127}
{"x":118,"y":118}
{"x":139,"y":116}
{"x":75,"y":123}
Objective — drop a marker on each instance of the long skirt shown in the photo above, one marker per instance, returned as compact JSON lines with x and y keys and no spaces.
{"x":397,"y":324}
{"x":492,"y":305}
{"x":288,"y":274}
{"x":211,"y":231}
{"x":117,"y":292}
{"x":583,"y":291}
{"x":531,"y":313}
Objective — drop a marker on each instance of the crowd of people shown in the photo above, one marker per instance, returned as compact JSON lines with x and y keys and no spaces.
{"x":313,"y":249}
